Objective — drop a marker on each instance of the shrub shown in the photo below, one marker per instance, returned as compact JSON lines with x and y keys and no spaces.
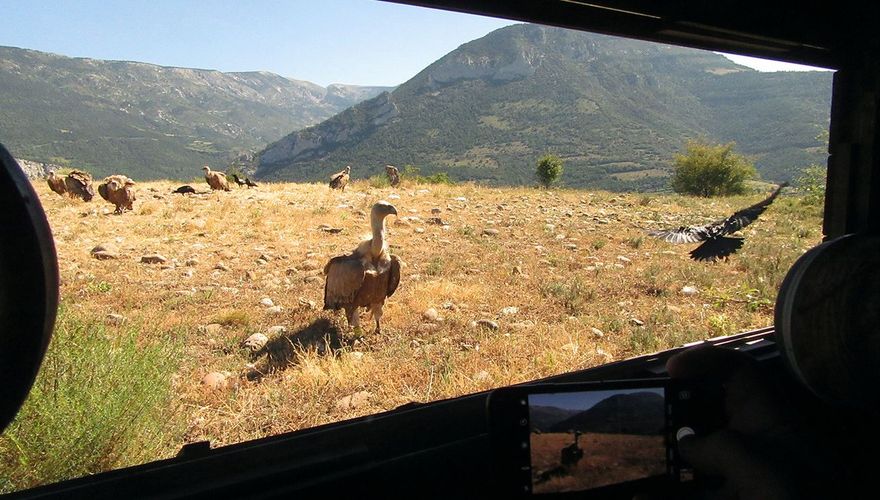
{"x":812,"y":183}
{"x":549,"y":170}
{"x":98,"y":403}
{"x":708,"y":170}
{"x":413,"y":173}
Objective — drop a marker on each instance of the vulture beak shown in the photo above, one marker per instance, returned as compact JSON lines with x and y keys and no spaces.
{"x":392,"y":210}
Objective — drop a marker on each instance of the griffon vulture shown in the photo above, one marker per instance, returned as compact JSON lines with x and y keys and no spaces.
{"x":118,"y":190}
{"x":393,"y":175}
{"x":56,"y":183}
{"x":217,"y":180}
{"x":79,"y":185}
{"x":717,"y":244}
{"x":367,"y":276}
{"x":339,"y":180}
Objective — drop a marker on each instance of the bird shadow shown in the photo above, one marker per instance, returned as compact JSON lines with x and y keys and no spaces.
{"x":284,"y":351}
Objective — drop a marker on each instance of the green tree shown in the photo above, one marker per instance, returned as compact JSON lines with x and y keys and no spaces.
{"x":549,"y":169}
{"x":812,"y":183}
{"x":707,"y":170}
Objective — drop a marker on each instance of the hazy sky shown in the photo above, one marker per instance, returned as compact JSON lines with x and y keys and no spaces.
{"x":362,"y":42}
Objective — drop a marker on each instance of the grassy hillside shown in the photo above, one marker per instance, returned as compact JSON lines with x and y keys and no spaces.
{"x":615,"y":110}
{"x":568,"y":277}
{"x":149,"y":121}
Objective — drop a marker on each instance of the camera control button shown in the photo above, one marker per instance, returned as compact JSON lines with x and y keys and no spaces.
{"x":683,"y":432}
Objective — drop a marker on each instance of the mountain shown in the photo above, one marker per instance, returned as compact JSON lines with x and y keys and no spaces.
{"x":641,"y":413}
{"x":616,"y":110}
{"x":150,"y":121}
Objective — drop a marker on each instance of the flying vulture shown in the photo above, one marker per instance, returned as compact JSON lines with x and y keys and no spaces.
{"x":250,"y":183}
{"x":365,"y":277}
{"x":186,"y":189}
{"x":339,"y":180}
{"x":56,"y":183}
{"x":217,"y":180}
{"x":237,"y":180}
{"x":716,"y":244}
{"x":393,"y":175}
{"x":118,"y":190}
{"x":79,"y":185}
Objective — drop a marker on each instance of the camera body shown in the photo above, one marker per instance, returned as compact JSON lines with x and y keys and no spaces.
{"x":599,"y":437}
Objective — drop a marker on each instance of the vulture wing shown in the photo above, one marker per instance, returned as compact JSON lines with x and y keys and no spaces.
{"x":393,"y":276}
{"x":80,"y":184}
{"x":345,"y":275}
{"x":102,"y":190}
{"x":746,"y":216}
{"x":57,"y":184}
{"x":684,"y":234}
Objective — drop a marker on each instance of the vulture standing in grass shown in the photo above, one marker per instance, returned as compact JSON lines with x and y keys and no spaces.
{"x":716,"y":243}
{"x":393,"y":175}
{"x":56,"y":183}
{"x":79,"y":185}
{"x":365,"y":277}
{"x":118,"y":190}
{"x":339,"y":180}
{"x":217,"y":180}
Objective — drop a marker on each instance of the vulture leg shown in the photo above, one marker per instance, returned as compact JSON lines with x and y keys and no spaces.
{"x":377,"y":315}
{"x":354,"y":320}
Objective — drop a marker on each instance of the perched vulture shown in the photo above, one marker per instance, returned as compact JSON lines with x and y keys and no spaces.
{"x":217,"y":180}
{"x":237,"y":180}
{"x":186,"y":189}
{"x":393,"y":175}
{"x":250,"y":183}
{"x":118,"y":190}
{"x":716,"y":244}
{"x":339,"y":180}
{"x":367,"y":276}
{"x":56,"y":183}
{"x":79,"y":185}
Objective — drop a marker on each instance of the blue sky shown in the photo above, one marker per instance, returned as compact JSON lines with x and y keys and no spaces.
{"x":362,"y":42}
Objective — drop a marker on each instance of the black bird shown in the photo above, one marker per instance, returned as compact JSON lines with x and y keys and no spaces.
{"x":717,"y":245}
{"x":184,"y":190}
{"x":249,"y":182}
{"x":237,"y":180}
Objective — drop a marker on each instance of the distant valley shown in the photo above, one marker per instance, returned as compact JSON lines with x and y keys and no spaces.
{"x":151,"y":121}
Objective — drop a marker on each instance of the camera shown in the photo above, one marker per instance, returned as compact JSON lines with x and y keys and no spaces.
{"x":597,"y":437}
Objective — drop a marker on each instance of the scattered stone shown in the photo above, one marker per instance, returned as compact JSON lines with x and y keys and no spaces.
{"x":330,"y":229}
{"x":509,"y":310}
{"x":689,"y":290}
{"x":312,"y":279}
{"x":571,"y":347}
{"x":517,"y":270}
{"x":430,"y":315}
{"x":104,"y":255}
{"x":114,"y":319}
{"x":490,"y":232}
{"x":153,"y":258}
{"x":419,"y":230}
{"x":307,"y":304}
{"x":436,"y":211}
{"x":637,"y":322}
{"x":211,"y":329}
{"x":255,"y":342}
{"x":266,"y":301}
{"x":427,"y":327}
{"x":274,"y":310}
{"x":220,"y":266}
{"x":215,"y":381}
{"x":597,"y":332}
{"x":571,"y":246}
{"x":276,"y":330}
{"x":487,"y":323}
{"x":191,"y":262}
{"x":310,"y":265}
{"x":623,"y":259}
{"x":353,"y":401}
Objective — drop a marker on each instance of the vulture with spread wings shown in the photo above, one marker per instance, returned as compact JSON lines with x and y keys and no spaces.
{"x":716,"y":244}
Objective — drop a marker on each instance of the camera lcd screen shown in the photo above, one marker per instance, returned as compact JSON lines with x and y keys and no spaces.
{"x":588,"y":439}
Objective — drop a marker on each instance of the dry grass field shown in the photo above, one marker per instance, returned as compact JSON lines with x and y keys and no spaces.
{"x":568,"y":280}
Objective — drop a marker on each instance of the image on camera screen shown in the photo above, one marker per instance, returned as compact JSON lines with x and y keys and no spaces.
{"x":584,"y":440}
